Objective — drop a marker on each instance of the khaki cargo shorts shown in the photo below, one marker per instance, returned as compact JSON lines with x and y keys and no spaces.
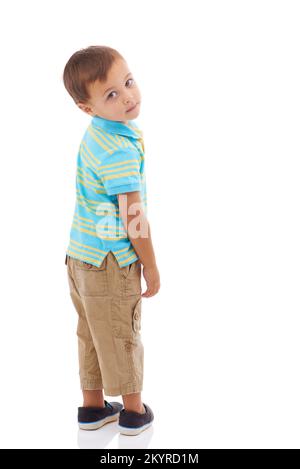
{"x":108,"y":302}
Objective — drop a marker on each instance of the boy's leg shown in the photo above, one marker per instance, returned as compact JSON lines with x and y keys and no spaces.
{"x":89,"y":371}
{"x":93,"y":398}
{"x":133,"y":402}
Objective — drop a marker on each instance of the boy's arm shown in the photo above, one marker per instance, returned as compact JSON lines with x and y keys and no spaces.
{"x":138,"y":230}
{"x":137,"y":226}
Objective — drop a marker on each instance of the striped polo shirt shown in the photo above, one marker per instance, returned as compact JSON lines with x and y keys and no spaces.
{"x":110,"y":161}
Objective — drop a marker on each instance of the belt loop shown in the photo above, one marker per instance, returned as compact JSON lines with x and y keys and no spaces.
{"x":66,"y":259}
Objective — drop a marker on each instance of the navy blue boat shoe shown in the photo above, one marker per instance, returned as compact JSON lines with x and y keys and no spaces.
{"x":133,"y":423}
{"x":91,"y":418}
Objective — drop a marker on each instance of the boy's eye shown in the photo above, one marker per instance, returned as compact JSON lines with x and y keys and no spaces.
{"x":110,"y":94}
{"x":129,"y":80}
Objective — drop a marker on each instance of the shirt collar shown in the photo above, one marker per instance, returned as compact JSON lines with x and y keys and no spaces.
{"x":117,"y":127}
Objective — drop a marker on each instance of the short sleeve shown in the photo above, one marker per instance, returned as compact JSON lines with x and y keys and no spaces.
{"x":120,"y":171}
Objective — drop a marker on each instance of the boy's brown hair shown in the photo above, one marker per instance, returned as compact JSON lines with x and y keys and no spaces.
{"x":87,"y":66}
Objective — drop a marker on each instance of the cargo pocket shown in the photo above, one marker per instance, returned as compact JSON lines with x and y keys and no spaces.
{"x":91,"y":280}
{"x":137,"y":316}
{"x":126,"y":317}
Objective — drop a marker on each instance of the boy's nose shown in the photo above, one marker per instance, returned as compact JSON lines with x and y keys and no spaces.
{"x":129,"y":100}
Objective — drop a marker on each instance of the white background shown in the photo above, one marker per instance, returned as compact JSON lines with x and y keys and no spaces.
{"x":220,"y":116}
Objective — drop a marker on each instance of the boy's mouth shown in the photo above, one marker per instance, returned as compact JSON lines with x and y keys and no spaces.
{"x":132,"y":108}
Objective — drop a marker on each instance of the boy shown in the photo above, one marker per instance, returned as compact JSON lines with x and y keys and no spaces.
{"x":109,"y":242}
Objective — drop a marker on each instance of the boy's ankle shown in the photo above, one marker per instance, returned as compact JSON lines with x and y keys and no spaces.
{"x":139,"y":410}
{"x":93,"y":404}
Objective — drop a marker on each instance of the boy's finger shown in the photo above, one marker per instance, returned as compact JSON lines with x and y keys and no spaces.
{"x":147,"y":292}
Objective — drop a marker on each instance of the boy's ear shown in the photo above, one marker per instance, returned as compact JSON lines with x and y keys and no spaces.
{"x":85,"y":108}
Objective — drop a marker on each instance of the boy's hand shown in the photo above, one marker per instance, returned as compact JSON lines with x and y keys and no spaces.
{"x":151,"y":276}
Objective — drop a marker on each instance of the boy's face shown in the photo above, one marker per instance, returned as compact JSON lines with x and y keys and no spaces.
{"x":113,"y":99}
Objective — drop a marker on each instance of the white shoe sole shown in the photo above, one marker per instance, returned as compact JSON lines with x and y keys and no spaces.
{"x":133,"y":431}
{"x":98,"y":423}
